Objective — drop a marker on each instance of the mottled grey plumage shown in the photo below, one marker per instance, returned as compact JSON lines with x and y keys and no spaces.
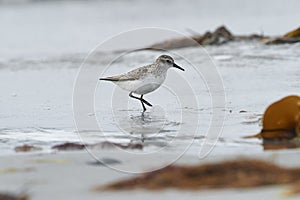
{"x":144,"y":79}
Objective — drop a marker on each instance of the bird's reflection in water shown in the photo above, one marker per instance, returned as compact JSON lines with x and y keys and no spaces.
{"x":146,"y":125}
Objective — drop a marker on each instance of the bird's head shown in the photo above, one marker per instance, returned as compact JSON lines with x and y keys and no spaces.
{"x":167,"y":61}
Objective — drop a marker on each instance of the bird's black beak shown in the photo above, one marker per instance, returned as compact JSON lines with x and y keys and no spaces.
{"x":174,"y":65}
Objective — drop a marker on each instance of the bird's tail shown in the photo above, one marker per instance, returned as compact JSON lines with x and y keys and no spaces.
{"x":117,"y":78}
{"x":108,"y":79}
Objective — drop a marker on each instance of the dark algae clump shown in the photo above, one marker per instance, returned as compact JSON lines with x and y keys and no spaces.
{"x":229,"y":174}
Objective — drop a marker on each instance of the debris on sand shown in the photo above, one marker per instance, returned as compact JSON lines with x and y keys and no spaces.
{"x":101,"y":145}
{"x":69,"y":146}
{"x":288,"y":38}
{"x":111,"y":145}
{"x":229,"y":174}
{"x":222,"y":35}
{"x":281,"y":125}
{"x":293,"y":34}
{"x":281,"y":120}
{"x":8,"y":196}
{"x":15,"y":170}
{"x":27,"y":148}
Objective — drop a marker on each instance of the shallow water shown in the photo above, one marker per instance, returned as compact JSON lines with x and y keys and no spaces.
{"x":37,"y":82}
{"x":36,"y":102}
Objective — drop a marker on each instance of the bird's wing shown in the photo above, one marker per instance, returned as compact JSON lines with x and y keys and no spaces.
{"x":117,"y":78}
{"x":129,"y":76}
{"x":138,"y":73}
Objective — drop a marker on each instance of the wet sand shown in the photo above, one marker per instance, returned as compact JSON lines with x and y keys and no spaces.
{"x":72,"y":175}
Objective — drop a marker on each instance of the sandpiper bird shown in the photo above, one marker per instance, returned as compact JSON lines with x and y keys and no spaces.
{"x":145,"y":79}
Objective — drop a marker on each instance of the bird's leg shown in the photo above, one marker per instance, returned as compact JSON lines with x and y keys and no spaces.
{"x":130,"y":94}
{"x":141,"y":99}
{"x":146,"y":102}
{"x":144,"y":107}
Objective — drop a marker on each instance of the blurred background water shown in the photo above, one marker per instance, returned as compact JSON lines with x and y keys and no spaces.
{"x":43,"y":43}
{"x":43,"y":28}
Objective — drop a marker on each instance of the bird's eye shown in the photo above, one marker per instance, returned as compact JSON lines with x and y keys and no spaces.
{"x":168,"y":61}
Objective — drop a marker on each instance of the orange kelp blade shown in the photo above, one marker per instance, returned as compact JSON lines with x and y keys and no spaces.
{"x":281,"y":120}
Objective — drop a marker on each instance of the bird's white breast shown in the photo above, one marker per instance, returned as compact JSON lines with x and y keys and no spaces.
{"x":142,"y":86}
